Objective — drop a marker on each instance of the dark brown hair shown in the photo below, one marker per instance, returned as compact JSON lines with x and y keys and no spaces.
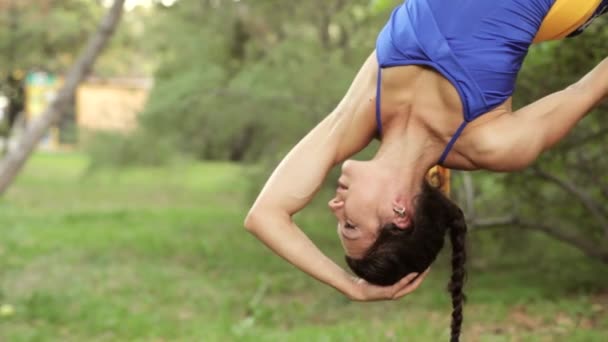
{"x":398,"y":252}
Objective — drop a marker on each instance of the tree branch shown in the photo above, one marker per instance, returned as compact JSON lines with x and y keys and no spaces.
{"x":16,"y":158}
{"x":561,"y":234}
{"x":587,"y":166}
{"x":583,"y":140}
{"x":592,"y":206}
{"x":493,"y":222}
{"x":585,"y":246}
{"x":469,"y":194}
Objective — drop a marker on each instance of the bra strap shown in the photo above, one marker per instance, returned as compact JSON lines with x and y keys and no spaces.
{"x":452,"y":142}
{"x":378,"y":101}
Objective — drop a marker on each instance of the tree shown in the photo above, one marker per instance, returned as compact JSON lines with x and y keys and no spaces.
{"x":16,"y":158}
{"x":28,"y":44}
{"x":252,"y":90}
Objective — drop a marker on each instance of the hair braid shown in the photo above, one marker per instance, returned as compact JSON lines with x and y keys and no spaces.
{"x":458,"y":231}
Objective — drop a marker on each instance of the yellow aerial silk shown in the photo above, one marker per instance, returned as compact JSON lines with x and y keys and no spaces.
{"x":564,"y":17}
{"x":439,"y":176}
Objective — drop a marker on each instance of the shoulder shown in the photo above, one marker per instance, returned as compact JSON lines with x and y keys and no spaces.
{"x":502,"y":144}
{"x":487,"y":142}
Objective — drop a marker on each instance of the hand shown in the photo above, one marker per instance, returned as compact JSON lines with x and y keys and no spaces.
{"x":364,"y":291}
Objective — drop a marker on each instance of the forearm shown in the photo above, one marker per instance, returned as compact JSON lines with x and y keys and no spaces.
{"x":575,"y":102}
{"x":538,"y":126}
{"x":596,"y":81}
{"x":554,"y":116}
{"x":284,"y":238}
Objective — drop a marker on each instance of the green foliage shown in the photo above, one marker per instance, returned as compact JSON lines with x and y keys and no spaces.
{"x":108,"y":149}
{"x":160,"y":253}
{"x":379,"y":6}
{"x":48,"y":35}
{"x":27,"y":41}
{"x":37,"y":35}
{"x":240,"y":81}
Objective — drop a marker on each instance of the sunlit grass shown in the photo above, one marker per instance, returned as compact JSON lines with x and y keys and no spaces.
{"x":160,"y":255}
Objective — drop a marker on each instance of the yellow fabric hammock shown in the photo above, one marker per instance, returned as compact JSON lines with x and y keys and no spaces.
{"x":439,"y":176}
{"x":564,"y":18}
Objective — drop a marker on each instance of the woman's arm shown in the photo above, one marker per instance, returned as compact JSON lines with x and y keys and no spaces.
{"x":515,"y":139}
{"x":299,"y":176}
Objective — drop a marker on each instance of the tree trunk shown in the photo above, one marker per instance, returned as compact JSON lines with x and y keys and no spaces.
{"x":16,"y":158}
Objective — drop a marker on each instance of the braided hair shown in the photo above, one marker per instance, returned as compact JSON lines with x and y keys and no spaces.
{"x":458,"y":232}
{"x":398,"y":252}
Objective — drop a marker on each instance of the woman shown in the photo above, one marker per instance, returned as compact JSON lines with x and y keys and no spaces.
{"x":437,"y":90}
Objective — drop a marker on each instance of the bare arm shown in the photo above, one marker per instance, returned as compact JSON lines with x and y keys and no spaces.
{"x":297,"y":179}
{"x":291,"y":186}
{"x":516,"y":139}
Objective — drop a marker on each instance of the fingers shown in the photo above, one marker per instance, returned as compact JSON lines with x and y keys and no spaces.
{"x":404,"y":281}
{"x":408,"y":287}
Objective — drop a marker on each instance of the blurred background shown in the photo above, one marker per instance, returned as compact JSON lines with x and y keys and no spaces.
{"x":126,"y":222}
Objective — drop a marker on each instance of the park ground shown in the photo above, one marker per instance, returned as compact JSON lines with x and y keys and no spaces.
{"x":160,"y":254}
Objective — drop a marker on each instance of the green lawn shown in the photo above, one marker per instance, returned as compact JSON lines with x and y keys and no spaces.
{"x":161,"y":255}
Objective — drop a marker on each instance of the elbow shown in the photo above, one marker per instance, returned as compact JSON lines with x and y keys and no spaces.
{"x":251,"y":221}
{"x":260,"y":219}
{"x":254,"y":220}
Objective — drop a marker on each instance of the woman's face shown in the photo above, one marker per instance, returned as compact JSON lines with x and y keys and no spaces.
{"x":362,"y":205}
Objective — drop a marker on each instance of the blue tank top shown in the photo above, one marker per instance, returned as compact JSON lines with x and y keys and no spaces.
{"x":478,"y":45}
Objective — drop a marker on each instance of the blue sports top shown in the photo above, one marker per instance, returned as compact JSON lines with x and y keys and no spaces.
{"x":478,"y":45}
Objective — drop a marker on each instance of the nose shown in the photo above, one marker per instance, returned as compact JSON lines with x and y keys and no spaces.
{"x":335,"y":204}
{"x":347,"y":165}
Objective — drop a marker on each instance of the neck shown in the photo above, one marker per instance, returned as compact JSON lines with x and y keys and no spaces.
{"x":407,"y":152}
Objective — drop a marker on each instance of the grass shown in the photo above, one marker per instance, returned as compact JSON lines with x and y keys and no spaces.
{"x":160,"y":255}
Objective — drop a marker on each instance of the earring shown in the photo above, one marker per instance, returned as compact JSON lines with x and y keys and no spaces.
{"x":399,"y":211}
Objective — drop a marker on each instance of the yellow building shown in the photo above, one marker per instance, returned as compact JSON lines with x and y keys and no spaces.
{"x":110,"y":104}
{"x":99,"y":105}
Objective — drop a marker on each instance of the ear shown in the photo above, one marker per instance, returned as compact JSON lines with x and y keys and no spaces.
{"x":402,"y":222}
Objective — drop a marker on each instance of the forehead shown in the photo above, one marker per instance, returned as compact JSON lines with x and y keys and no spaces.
{"x":357,"y":248}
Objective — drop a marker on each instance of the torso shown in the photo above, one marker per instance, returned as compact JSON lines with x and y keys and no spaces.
{"x":428,"y":99}
{"x":428,"y":95}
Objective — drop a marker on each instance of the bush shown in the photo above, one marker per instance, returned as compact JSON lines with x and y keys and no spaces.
{"x":108,"y":149}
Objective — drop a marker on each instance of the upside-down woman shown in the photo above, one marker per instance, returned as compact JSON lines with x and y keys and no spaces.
{"x":436,"y":91}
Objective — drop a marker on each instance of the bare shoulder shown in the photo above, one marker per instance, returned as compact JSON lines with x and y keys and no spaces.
{"x":487,"y":143}
{"x":480,"y":146}
{"x":508,"y":140}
